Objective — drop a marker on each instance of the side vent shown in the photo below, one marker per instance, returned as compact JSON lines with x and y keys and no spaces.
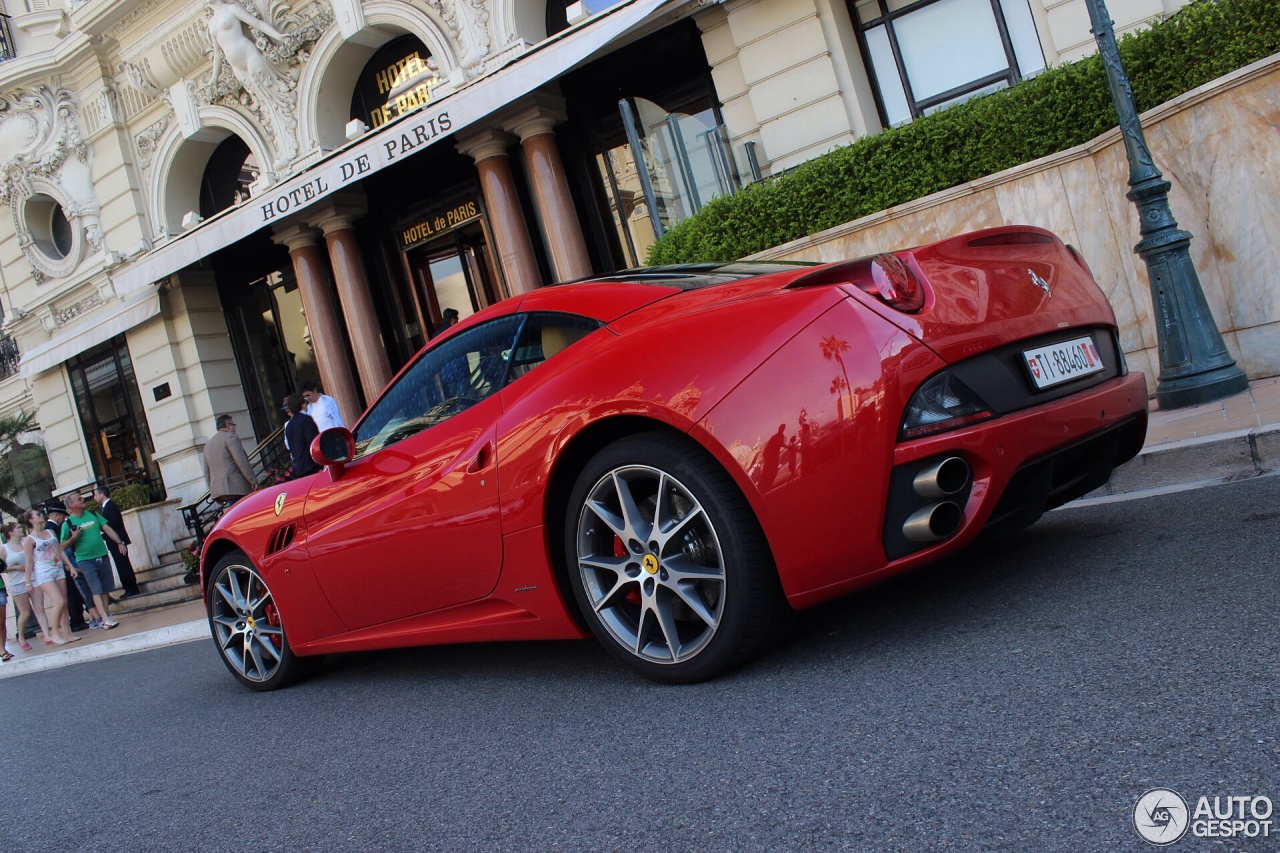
{"x":281,"y":539}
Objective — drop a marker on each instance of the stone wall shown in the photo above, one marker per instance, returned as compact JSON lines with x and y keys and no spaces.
{"x":1218,"y":146}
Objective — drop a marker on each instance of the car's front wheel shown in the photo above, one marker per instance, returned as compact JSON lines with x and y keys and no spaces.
{"x":667,"y":562}
{"x":246,"y":625}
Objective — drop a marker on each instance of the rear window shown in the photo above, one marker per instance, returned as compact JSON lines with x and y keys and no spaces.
{"x":695,"y":276}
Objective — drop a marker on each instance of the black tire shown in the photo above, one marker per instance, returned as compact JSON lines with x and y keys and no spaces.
{"x":680,"y":586}
{"x":247,"y":627}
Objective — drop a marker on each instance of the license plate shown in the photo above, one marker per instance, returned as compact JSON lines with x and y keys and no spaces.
{"x":1057,"y":363}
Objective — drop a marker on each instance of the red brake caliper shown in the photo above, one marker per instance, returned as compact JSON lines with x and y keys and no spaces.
{"x":273,"y":619}
{"x":620,"y":550}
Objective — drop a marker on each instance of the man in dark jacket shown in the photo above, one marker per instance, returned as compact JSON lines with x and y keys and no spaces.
{"x":298,"y":435}
{"x":124,"y":566}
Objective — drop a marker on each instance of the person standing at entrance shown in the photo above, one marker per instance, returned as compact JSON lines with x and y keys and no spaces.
{"x":448,"y":318}
{"x":124,"y":566}
{"x":86,"y":530}
{"x":298,"y":435}
{"x":231,"y":476}
{"x":321,"y":408}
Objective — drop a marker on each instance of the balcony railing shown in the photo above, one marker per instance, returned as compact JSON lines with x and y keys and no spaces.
{"x":6,"y":39}
{"x":9,"y":355}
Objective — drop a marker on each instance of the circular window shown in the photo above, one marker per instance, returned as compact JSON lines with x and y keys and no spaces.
{"x":50,"y":229}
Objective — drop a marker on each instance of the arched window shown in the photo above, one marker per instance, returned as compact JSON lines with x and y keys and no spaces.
{"x":232,"y":168}
{"x":397,"y":79}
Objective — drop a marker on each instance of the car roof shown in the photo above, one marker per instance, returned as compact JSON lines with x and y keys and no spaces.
{"x":608,"y":297}
{"x":694,"y":276}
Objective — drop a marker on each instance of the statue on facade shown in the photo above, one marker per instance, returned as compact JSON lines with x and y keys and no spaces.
{"x":270,"y":90}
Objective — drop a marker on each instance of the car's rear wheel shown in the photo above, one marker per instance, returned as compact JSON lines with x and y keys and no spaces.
{"x":667,"y":562}
{"x":246,"y":624}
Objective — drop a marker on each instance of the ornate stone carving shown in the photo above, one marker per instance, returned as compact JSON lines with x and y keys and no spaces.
{"x":258,"y":49}
{"x":146,"y":143}
{"x":469,"y":21}
{"x":63,"y":316}
{"x":47,"y":115}
{"x":47,"y":164}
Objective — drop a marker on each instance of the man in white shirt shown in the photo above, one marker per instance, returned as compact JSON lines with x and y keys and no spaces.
{"x":322,"y":408}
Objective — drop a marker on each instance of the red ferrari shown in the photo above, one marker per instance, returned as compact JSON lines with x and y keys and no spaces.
{"x":676,"y":459}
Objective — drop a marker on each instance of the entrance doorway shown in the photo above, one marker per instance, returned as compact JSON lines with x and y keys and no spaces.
{"x":272,"y":343}
{"x":111,"y":414}
{"x":454,"y":271}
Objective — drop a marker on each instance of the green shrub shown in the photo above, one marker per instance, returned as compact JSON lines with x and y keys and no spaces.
{"x":1062,"y":107}
{"x":132,"y":497}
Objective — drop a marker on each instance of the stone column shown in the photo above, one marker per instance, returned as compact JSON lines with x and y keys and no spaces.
{"x":502,"y":205}
{"x":536,"y":128}
{"x":336,"y":221}
{"x":310,"y":269}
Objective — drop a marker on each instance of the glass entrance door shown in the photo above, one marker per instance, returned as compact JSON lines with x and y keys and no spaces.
{"x":273,"y":346}
{"x":111,"y":414}
{"x":454,"y":272}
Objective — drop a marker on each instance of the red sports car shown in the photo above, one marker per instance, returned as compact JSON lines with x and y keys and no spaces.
{"x":675,"y":459}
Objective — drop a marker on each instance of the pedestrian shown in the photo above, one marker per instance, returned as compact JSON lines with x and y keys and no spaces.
{"x":298,"y":435}
{"x":320,"y":407}
{"x":231,"y":476}
{"x":5,"y":654}
{"x":18,"y":584}
{"x":45,"y":562}
{"x":86,"y":531}
{"x":124,"y":566}
{"x":79,"y":598}
{"x":448,"y":317}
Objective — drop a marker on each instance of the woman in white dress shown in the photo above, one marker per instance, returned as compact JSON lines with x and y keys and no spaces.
{"x":45,"y":561}
{"x":15,"y":582}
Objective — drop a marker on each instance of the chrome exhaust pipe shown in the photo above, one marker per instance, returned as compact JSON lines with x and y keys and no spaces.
{"x":942,"y":479}
{"x":934,"y":522}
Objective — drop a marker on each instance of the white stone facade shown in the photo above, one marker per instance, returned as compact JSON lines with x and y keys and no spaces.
{"x":110,"y":109}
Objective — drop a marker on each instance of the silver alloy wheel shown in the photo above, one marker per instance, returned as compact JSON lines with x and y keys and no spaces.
{"x":651,"y":564}
{"x":246,"y":623}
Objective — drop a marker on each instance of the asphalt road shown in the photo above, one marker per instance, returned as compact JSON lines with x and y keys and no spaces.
{"x":1021,"y":698}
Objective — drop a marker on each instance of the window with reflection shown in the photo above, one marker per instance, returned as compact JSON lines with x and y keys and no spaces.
{"x":544,"y":336}
{"x":923,"y":55}
{"x":447,"y":379}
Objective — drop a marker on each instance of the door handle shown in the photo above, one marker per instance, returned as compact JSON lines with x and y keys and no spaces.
{"x":482,"y":460}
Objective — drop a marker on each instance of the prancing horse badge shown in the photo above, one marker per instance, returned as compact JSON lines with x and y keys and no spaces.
{"x":280,"y":501}
{"x":1039,"y":282}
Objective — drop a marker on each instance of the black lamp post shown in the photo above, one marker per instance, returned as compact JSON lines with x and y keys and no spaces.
{"x":1195,"y":366}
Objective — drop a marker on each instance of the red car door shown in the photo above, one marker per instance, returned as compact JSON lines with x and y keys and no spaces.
{"x":412,"y":525}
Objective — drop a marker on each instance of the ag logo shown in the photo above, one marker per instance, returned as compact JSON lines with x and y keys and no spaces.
{"x":1161,"y":816}
{"x":280,"y":501}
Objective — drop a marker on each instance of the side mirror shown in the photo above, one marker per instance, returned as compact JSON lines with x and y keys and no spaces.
{"x":333,"y":449}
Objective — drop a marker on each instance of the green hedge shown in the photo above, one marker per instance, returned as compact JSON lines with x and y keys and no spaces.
{"x":1058,"y":109}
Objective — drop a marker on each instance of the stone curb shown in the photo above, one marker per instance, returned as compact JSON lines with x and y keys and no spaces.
{"x":156,"y":638}
{"x":1227,"y":456}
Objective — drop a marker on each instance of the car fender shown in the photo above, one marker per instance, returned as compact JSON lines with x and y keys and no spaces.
{"x":269,"y":525}
{"x":817,"y":476}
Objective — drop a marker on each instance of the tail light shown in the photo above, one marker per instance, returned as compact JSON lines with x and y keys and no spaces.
{"x":886,"y":277}
{"x":892,"y":282}
{"x":940,"y":404}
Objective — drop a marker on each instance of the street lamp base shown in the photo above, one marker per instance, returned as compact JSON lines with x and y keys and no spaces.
{"x":1203,"y":387}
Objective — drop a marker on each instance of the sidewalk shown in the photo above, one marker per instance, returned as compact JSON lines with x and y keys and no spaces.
{"x":1215,"y":442}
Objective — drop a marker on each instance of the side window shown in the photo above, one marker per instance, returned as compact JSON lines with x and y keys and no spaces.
{"x":544,"y":336}
{"x":445,"y":380}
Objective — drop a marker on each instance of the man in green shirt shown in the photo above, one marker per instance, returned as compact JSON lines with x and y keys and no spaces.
{"x":85,"y":530}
